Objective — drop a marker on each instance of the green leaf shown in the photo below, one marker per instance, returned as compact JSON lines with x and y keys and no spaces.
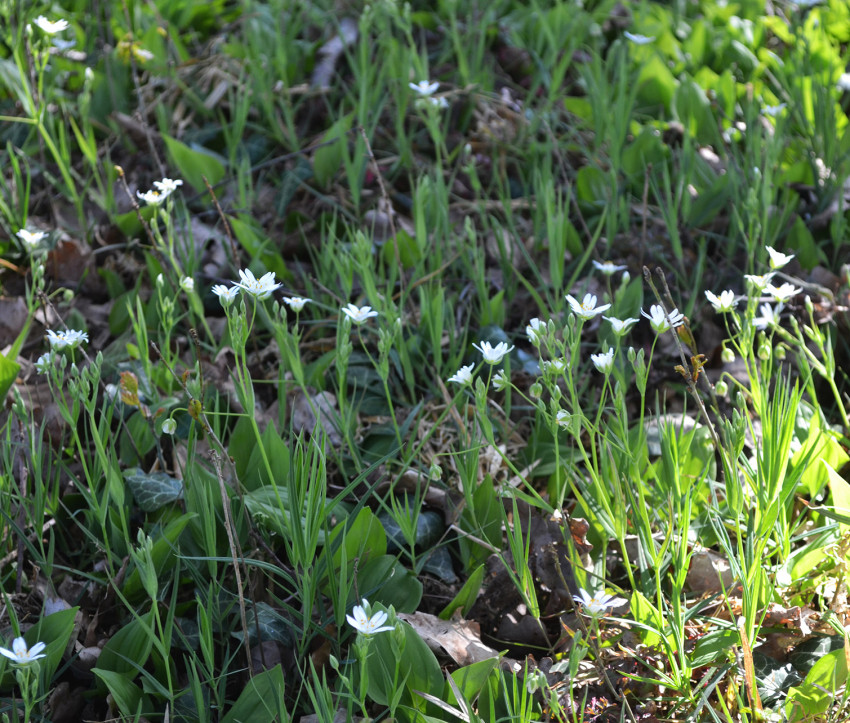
{"x":194,"y":164}
{"x":257,"y":245}
{"x":8,"y":373}
{"x":840,"y":497}
{"x":470,"y":679}
{"x":267,"y":623}
{"x":329,"y":158}
{"x":128,"y":650}
{"x":362,"y":537}
{"x":418,"y":668}
{"x":466,"y":596}
{"x":152,"y":491}
{"x":386,"y":580}
{"x":712,"y":647}
{"x":647,"y":614}
{"x":125,"y":692}
{"x":260,"y":699}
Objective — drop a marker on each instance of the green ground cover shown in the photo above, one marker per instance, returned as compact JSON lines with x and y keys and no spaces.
{"x":446,"y":361}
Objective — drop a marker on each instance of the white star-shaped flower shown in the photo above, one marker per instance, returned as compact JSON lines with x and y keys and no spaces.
{"x":358,"y":314}
{"x":587,"y":309}
{"x":368,"y":625}
{"x":759,"y":282}
{"x":769,"y":316}
{"x":493,"y":354}
{"x":226,"y":294}
{"x":563,"y":418}
{"x":30,"y":238}
{"x":620,"y":326}
{"x":167,"y":185}
{"x":424,"y":88}
{"x":462,"y":376}
{"x":724,"y":303}
{"x":152,"y":198}
{"x":535,"y":330}
{"x":21,"y":654}
{"x":783,"y":293}
{"x":44,"y":363}
{"x":639,"y":39}
{"x":777,"y":258}
{"x":603,"y":362}
{"x":187,"y":284}
{"x":51,"y":28}
{"x":607,"y":267}
{"x":594,"y":603}
{"x":773,"y":110}
{"x":68,"y":338}
{"x":556,"y":366}
{"x":661,"y":322}
{"x":261,"y":288}
{"x":296,"y":303}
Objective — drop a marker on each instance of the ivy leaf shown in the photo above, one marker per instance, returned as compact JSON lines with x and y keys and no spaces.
{"x":152,"y":491}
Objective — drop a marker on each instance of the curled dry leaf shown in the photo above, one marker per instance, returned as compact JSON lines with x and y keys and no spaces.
{"x":460,"y":639}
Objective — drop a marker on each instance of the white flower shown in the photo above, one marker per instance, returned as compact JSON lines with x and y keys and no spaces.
{"x":152,"y":198}
{"x":638,"y":39}
{"x":556,"y":366}
{"x":773,"y":110}
{"x":603,"y":362}
{"x":659,"y":321}
{"x":187,"y":284}
{"x":296,"y":303}
{"x":607,"y":267}
{"x":365,"y":624}
{"x":30,"y":238}
{"x":69,"y":338}
{"x":843,"y":83}
{"x":783,"y":293}
{"x":777,"y":258}
{"x":22,"y":655}
{"x":169,"y":426}
{"x":424,"y":88}
{"x":759,"y":282}
{"x":501,"y":381}
{"x":51,"y":28}
{"x":620,"y":326}
{"x":724,"y":303}
{"x":225,"y":294}
{"x":358,"y":314}
{"x":535,"y":330}
{"x":563,"y":418}
{"x":769,"y":316}
{"x":493,"y":354}
{"x":167,"y":185}
{"x":587,"y":309}
{"x":44,"y":363}
{"x":260,"y":288}
{"x":462,"y":376}
{"x":594,"y":603}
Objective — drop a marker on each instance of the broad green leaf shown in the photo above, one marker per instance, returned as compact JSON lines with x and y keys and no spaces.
{"x":260,"y":700}
{"x":418,"y":668}
{"x":254,"y":241}
{"x":328,"y":160}
{"x":646,"y":613}
{"x":128,"y":650}
{"x":712,"y":647}
{"x":270,"y":623}
{"x":363,"y":537}
{"x":152,"y":491}
{"x":194,"y":164}
{"x":470,"y":679}
{"x":125,"y":692}
{"x":8,"y":373}
{"x":840,"y":496}
{"x":466,"y":596}
{"x":386,"y":580}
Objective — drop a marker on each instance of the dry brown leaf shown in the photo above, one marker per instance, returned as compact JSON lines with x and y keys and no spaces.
{"x":460,"y":639}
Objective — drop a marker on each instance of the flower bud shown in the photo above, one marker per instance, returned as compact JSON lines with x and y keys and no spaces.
{"x":535,"y":390}
{"x":721,"y":388}
{"x":779,"y":352}
{"x":727,"y":356}
{"x":764,"y":352}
